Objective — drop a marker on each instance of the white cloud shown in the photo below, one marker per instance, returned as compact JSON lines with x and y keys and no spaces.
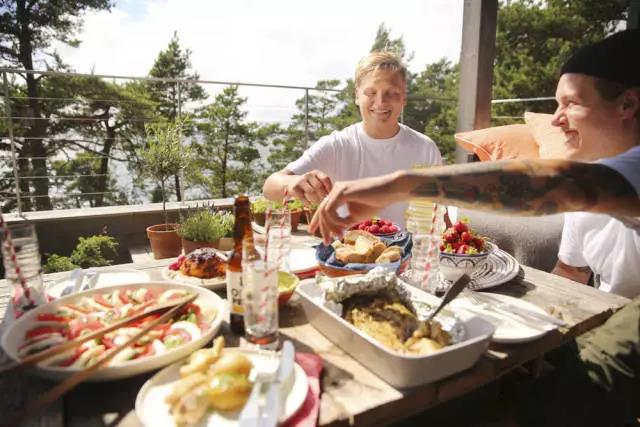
{"x":287,"y":42}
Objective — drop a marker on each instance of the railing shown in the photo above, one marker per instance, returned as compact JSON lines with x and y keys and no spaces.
{"x":23,"y":171}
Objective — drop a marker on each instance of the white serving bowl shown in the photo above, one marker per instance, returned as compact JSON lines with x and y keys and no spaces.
{"x":212,"y":306}
{"x":452,"y":266}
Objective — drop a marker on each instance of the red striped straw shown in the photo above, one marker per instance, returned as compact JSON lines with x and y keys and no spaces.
{"x":6,"y":232}
{"x":432,"y":246}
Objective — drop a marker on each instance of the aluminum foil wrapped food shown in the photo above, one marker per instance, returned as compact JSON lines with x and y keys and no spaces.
{"x":339,"y":295}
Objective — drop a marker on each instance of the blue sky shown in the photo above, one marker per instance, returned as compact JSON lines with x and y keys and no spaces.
{"x":289,"y":42}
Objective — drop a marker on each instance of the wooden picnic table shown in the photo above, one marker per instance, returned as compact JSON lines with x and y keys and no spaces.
{"x":351,"y":393}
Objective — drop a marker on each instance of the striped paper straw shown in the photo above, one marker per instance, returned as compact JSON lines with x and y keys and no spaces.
{"x":6,"y":232}
{"x":432,"y":246}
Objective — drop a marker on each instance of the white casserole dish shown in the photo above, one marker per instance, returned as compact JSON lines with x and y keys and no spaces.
{"x":399,"y":370}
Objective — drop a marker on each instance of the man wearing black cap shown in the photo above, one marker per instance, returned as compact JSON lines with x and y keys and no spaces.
{"x":598,"y":97}
{"x":597,"y":111}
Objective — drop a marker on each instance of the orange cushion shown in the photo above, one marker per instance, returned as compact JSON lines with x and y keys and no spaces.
{"x":550,"y":138}
{"x":500,"y":143}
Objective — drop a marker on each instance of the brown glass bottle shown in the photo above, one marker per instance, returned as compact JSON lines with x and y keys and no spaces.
{"x":241,"y":232}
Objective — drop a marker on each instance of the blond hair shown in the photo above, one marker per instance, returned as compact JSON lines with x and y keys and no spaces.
{"x":380,"y":60}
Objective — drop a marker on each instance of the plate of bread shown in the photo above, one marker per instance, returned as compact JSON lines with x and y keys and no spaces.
{"x":360,"y":251}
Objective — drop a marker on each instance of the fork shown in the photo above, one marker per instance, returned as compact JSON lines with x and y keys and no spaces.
{"x":263,"y":372}
{"x":473,"y":297}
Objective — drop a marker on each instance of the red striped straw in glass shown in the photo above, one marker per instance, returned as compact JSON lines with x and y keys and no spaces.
{"x":432,"y":246}
{"x":6,"y":232}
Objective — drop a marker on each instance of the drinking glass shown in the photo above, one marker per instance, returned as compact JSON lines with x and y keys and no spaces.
{"x":278,"y":237}
{"x":24,"y":277}
{"x":260,"y":302}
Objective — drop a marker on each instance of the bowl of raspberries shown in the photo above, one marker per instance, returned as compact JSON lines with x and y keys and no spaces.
{"x":378,"y":227}
{"x":462,"y":250}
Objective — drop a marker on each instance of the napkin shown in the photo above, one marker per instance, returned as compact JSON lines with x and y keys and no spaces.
{"x":307,"y":415}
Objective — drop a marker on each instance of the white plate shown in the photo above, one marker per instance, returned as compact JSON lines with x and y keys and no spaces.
{"x":152,"y":411}
{"x":303,"y":260}
{"x":211,"y":304}
{"x":500,"y":267}
{"x":215,"y":283}
{"x":110,"y":277}
{"x":510,"y":328}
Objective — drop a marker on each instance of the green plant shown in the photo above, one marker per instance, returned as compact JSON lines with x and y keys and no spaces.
{"x":260,"y":206}
{"x":56,"y":263}
{"x":207,"y":226}
{"x":164,"y":156}
{"x":95,"y":251}
{"x":295,"y":204}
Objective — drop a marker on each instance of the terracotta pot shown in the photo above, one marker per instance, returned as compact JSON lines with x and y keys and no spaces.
{"x":165,"y":242}
{"x":190,"y":246}
{"x":295,"y":219}
{"x":225,"y":243}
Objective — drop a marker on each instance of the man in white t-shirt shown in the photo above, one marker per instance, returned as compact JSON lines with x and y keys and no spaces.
{"x":600,"y":120}
{"x":377,"y":145}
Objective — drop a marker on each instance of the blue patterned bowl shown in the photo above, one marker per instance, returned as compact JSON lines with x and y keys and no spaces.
{"x":453,"y":266}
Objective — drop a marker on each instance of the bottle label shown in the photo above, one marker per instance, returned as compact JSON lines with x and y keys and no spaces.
{"x":234,"y":292}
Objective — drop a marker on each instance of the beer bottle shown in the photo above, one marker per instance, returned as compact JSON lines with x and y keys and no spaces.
{"x":241,"y":232}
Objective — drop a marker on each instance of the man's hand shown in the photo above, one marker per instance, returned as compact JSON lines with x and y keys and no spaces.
{"x":364,"y":198}
{"x":312,"y":187}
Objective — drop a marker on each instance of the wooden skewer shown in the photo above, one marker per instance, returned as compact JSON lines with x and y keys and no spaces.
{"x":67,"y":345}
{"x":60,"y":389}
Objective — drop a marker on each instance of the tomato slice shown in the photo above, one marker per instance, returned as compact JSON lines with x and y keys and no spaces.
{"x":100,"y":299}
{"x":78,"y":326}
{"x":69,"y":361}
{"x":52,"y":317}
{"x":123,"y":295}
{"x":45,"y":330}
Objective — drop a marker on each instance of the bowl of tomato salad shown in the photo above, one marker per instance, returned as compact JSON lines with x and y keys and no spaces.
{"x":72,"y":316}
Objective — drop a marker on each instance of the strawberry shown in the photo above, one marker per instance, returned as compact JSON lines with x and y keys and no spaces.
{"x":385,"y":229}
{"x":465,"y":236}
{"x":462,"y":249}
{"x":460,"y":227}
{"x":362,"y":226}
{"x":374,"y":229}
{"x":450,"y":236}
{"x":393,"y":228}
{"x":367,"y":223}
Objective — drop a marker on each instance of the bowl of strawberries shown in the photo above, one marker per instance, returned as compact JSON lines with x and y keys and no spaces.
{"x":378,"y":227}
{"x":462,"y":250}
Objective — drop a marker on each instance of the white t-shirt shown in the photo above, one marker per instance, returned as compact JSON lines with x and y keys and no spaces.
{"x":351,"y":154}
{"x":609,"y":246}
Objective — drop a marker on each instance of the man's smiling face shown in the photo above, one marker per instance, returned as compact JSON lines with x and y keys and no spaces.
{"x":381,"y":97}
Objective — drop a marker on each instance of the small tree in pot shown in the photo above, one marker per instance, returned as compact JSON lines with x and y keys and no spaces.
{"x":162,"y":158}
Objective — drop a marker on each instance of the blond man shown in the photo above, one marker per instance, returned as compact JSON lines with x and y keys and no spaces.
{"x":377,"y":145}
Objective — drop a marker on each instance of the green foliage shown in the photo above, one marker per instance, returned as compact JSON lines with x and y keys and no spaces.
{"x":56,"y":263}
{"x":207,"y":226}
{"x":295,"y":204}
{"x":261,"y":205}
{"x":228,"y":158}
{"x":95,"y":251}
{"x":535,"y":38}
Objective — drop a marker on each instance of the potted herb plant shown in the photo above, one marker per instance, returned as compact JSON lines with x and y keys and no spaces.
{"x":259,"y":209}
{"x":162,"y":158}
{"x":207,"y":229}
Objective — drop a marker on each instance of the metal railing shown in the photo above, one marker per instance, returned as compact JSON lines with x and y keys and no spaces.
{"x":17,"y":118}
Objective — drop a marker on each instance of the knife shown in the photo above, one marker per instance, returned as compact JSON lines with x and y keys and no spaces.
{"x":520,"y":311}
{"x":273,"y":407}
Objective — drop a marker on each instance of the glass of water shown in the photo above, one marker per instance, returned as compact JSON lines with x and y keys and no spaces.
{"x":278,"y":237}
{"x":260,"y":302}
{"x":24,"y":276}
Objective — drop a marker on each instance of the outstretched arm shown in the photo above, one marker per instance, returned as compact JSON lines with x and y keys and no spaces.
{"x":533,"y":187}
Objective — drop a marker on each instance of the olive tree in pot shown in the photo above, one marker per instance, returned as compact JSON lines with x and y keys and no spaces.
{"x":162,"y":158}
